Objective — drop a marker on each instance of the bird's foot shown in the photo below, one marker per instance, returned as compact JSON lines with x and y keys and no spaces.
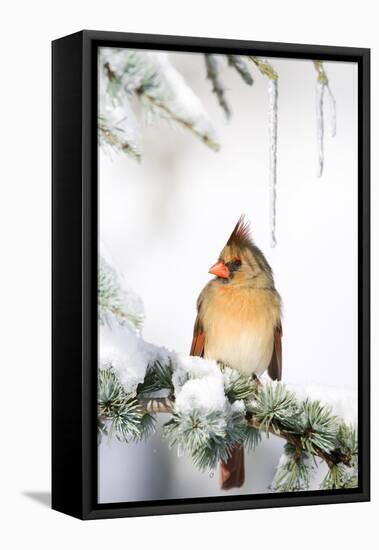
{"x":256,"y":380}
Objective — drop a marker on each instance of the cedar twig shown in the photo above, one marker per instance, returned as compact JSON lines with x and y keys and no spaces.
{"x":265,"y":67}
{"x":204,"y":137}
{"x":321,"y":73}
{"x":211,"y":63}
{"x":115,"y":137}
{"x":166,"y":405}
{"x":238,"y":63}
{"x":331,"y":458}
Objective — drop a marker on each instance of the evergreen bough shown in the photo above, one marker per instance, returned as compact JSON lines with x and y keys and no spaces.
{"x":309,"y":427}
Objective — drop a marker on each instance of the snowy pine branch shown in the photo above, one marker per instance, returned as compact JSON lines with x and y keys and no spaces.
{"x":157,"y":85}
{"x":213,"y":74}
{"x":293,"y":472}
{"x":239,"y":64}
{"x":119,"y":414}
{"x":207,"y":426}
{"x":114,"y":135}
{"x":123,"y":305}
{"x":265,"y":67}
{"x":157,"y":378}
{"x":118,"y":128}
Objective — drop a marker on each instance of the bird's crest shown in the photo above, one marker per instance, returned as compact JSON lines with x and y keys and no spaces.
{"x":241,"y":233}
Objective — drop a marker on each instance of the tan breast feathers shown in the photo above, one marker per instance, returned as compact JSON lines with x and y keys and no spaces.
{"x":239,"y":327}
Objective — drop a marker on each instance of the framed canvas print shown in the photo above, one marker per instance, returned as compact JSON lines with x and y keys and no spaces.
{"x":210,"y":274}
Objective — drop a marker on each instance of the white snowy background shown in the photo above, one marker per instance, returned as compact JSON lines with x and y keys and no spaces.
{"x":164,"y":221}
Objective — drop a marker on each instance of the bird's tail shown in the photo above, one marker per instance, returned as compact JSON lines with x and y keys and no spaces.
{"x":233,"y":469}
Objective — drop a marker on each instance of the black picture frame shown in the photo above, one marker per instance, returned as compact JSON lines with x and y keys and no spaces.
{"x":74,"y":273}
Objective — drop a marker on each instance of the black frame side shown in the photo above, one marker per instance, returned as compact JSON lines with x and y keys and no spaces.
{"x":75,"y":273}
{"x":364,"y":266}
{"x":67,"y":265}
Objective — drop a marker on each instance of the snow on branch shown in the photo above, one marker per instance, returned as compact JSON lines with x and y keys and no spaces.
{"x":213,"y":74}
{"x":239,"y":64}
{"x":120,"y":414}
{"x":236,"y":62}
{"x":114,"y":132}
{"x":123,"y":305}
{"x":118,"y":128}
{"x":161,"y":90}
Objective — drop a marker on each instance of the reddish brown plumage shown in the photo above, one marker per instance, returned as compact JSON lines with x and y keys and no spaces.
{"x":232,"y":471}
{"x":197,"y":348}
{"x":241,"y":233}
{"x":238,"y":323}
{"x":275,"y":367}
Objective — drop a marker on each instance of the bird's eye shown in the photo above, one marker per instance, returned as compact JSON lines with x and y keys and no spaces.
{"x":233,"y":265}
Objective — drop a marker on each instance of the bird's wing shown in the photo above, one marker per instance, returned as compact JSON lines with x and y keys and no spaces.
{"x":275,"y":367}
{"x":198,"y":340}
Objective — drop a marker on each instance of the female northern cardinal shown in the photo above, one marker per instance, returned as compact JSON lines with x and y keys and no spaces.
{"x":239,"y":322}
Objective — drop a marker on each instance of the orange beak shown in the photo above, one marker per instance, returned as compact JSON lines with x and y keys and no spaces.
{"x":220,"y":270}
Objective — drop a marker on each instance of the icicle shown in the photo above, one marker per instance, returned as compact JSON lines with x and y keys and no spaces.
{"x":333,"y":119}
{"x":180,"y":451}
{"x":273,"y":144}
{"x":268,"y":70}
{"x":320,"y":87}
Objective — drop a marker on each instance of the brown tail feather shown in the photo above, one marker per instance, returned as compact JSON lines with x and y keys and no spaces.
{"x":233,"y":470}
